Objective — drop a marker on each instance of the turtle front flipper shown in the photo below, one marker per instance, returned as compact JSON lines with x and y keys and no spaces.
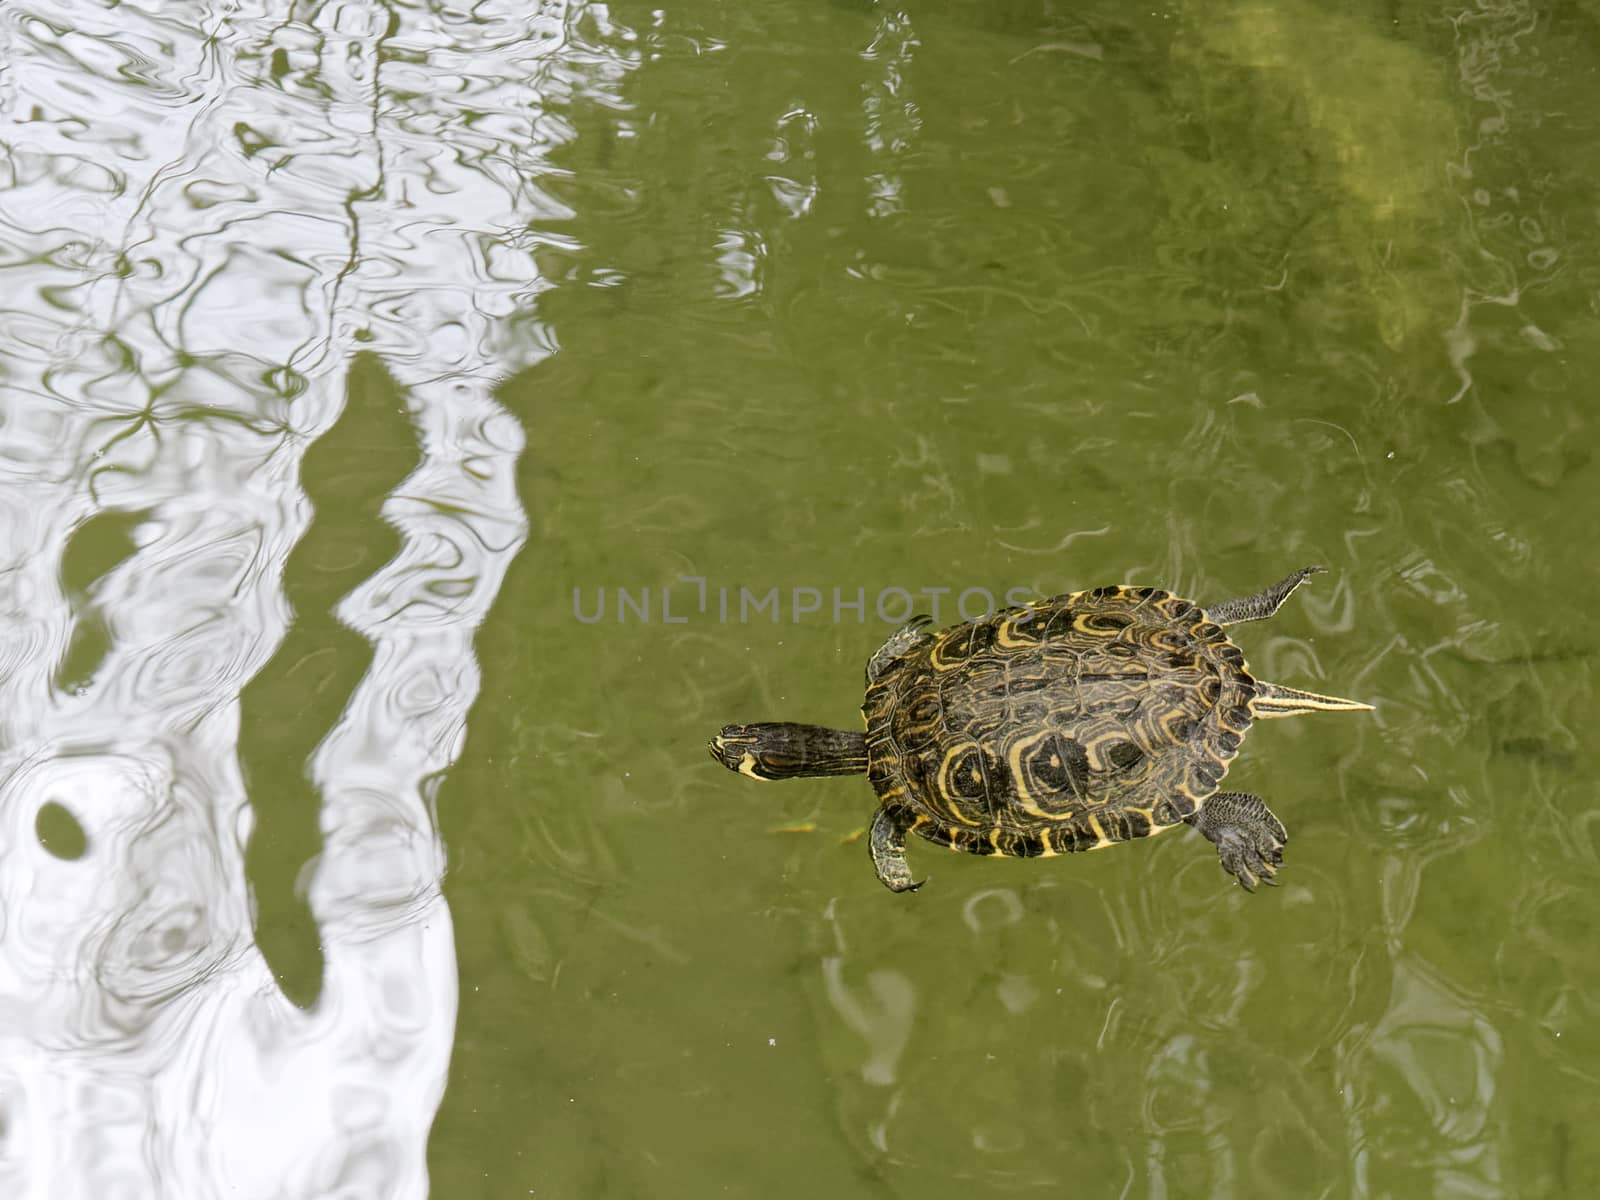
{"x":1248,"y":837}
{"x":901,"y":642}
{"x":784,"y":750}
{"x":1264,"y":603}
{"x":888,"y":844}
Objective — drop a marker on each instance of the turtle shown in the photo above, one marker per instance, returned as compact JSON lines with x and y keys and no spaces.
{"x":1067,"y":724}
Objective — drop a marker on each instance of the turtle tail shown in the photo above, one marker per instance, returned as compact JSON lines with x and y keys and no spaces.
{"x":782,"y":750}
{"x":1275,"y":700}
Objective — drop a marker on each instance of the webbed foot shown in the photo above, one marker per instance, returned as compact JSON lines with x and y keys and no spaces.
{"x":1248,"y":837}
{"x":888,"y":845}
{"x":901,"y":642}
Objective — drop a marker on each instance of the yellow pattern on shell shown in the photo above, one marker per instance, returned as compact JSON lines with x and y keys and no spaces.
{"x":1100,"y":671}
{"x":1100,"y":834}
{"x":947,"y":793}
{"x":1020,"y":780}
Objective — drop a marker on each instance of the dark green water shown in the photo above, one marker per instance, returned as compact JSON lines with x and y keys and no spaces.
{"x":831,"y":303}
{"x":1079,"y":296}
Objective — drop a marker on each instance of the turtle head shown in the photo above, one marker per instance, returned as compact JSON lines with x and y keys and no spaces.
{"x":782,"y":750}
{"x":742,"y":748}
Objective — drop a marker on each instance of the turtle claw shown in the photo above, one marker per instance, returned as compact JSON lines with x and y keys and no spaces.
{"x":902,"y":886}
{"x":1254,"y":869}
{"x":1244,"y":865}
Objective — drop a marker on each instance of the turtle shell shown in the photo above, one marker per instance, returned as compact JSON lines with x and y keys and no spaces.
{"x":1069,"y":724}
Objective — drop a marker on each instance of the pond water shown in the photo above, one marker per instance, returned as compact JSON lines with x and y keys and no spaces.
{"x":423,"y":426}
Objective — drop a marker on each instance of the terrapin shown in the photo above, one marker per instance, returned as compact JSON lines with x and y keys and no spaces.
{"x":1068,"y":724}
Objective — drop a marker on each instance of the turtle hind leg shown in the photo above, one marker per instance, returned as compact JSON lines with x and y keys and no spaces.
{"x":1248,"y":838}
{"x":888,"y":845}
{"x":784,"y":750}
{"x":1264,"y":603}
{"x":901,"y":642}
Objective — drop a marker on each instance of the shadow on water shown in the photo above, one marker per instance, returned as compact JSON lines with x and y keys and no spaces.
{"x":297,"y":699}
{"x":96,"y":548}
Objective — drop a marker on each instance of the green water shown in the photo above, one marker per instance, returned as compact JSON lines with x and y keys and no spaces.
{"x":1187,"y":297}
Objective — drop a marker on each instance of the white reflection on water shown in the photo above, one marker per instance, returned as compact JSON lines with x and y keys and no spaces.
{"x":207,"y":213}
{"x":893,"y":119}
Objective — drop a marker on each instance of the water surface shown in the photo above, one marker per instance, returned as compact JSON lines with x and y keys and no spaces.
{"x":355,"y":353}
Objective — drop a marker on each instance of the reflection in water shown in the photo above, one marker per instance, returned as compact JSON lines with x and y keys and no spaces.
{"x":348,"y":474}
{"x":891,"y":113}
{"x":213,"y":214}
{"x":1419,"y":1091}
{"x":880,"y":1011}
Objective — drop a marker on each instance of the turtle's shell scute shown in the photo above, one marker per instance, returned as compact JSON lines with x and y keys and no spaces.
{"x":1077,"y":722}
